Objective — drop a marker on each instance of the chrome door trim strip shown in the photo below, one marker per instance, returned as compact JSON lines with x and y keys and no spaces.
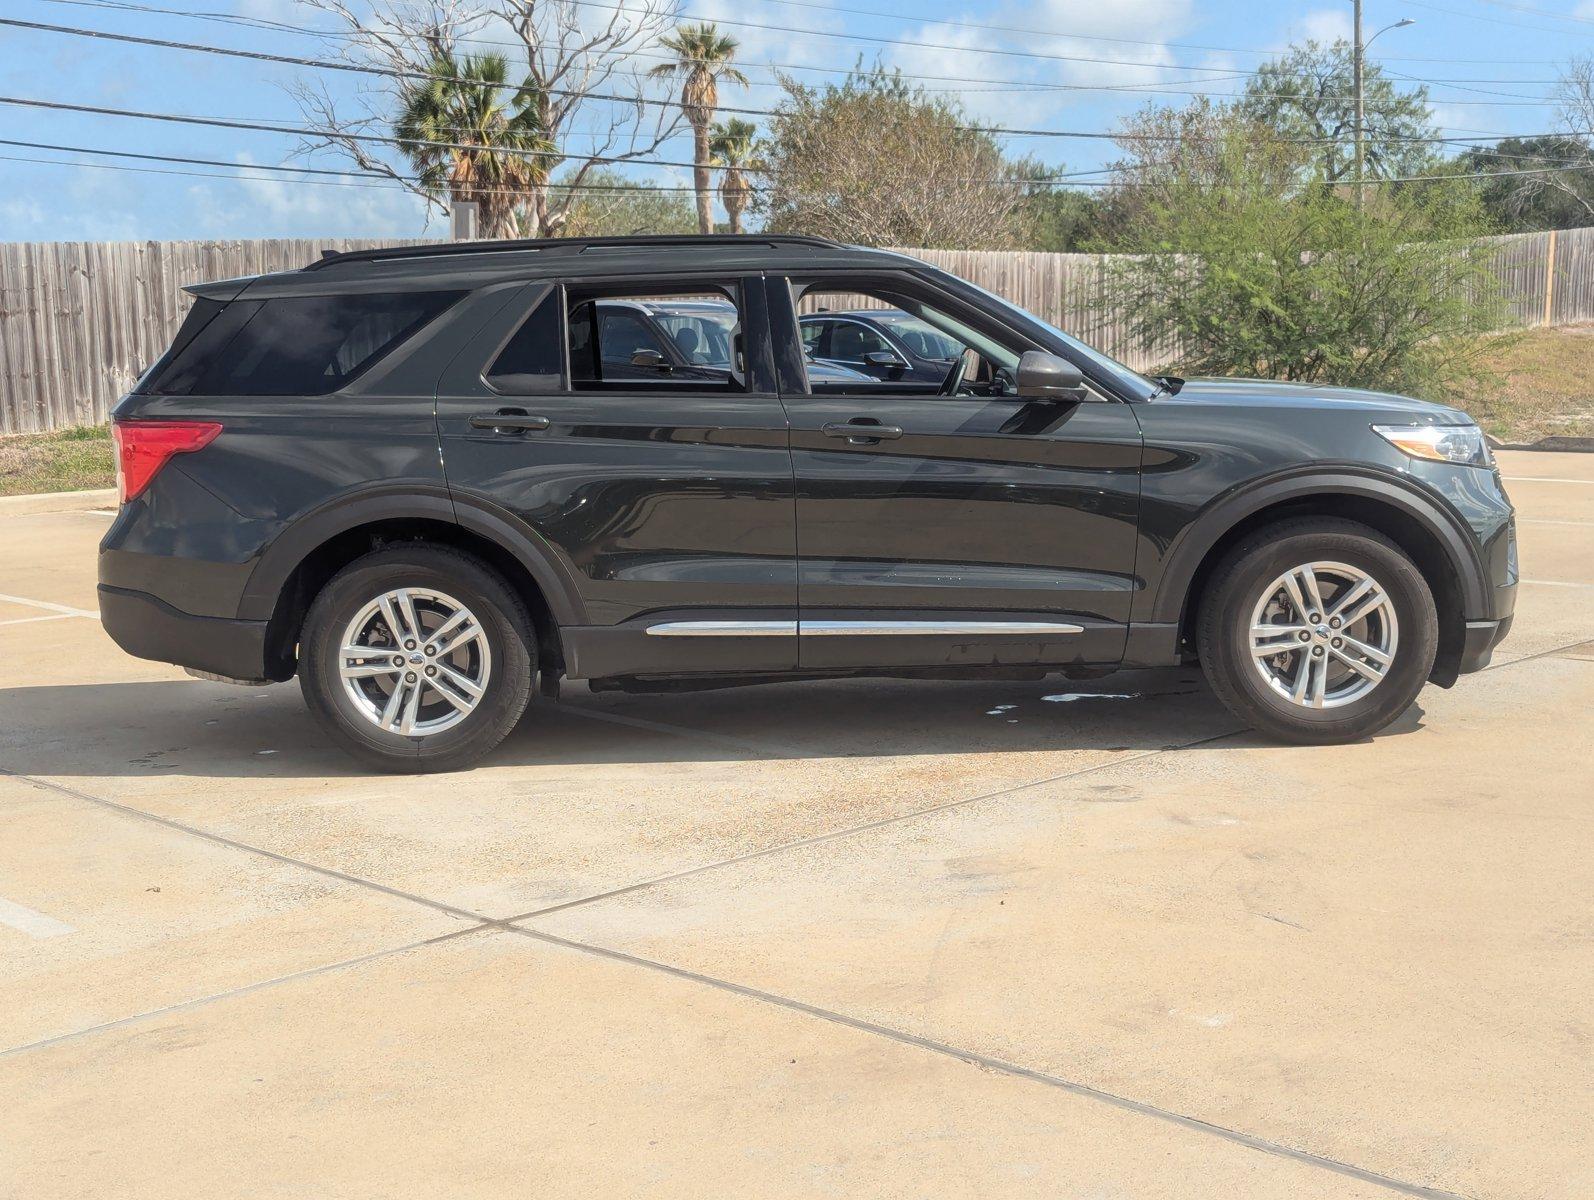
{"x":723,"y":629}
{"x":937,"y":628}
{"x":863,"y":628}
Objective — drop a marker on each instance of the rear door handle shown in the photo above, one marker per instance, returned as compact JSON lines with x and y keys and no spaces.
{"x":860,"y":433}
{"x":509,"y":420}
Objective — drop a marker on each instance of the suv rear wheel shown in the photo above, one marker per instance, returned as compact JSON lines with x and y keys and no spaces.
{"x":417,"y":658}
{"x":1317,"y":631}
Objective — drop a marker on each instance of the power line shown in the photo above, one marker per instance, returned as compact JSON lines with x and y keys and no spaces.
{"x":365,"y":69}
{"x":1455,"y":12}
{"x":821,"y":33}
{"x":1215,"y":72}
{"x":1542,"y":12}
{"x":1515,"y":99}
{"x":266,"y":23}
{"x":1149,"y":88}
{"x":312,"y":131}
{"x":373,"y":176}
{"x":239,"y":173}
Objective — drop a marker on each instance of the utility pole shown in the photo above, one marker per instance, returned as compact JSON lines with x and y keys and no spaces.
{"x":1359,"y":67}
{"x":464,"y":216}
{"x":1359,"y":51}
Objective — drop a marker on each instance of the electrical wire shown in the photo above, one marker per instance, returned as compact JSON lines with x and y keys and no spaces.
{"x":392,"y":72}
{"x":375,"y":179}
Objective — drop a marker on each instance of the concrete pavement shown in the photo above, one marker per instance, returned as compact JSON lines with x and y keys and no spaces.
{"x":865,"y":938}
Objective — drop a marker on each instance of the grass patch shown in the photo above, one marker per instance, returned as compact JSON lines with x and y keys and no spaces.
{"x":1544,"y":384}
{"x":64,"y":461}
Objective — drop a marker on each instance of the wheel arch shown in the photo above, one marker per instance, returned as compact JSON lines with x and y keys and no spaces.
{"x":303,"y":557}
{"x":1426,"y":533}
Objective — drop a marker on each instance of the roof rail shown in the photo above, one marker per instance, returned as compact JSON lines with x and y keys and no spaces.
{"x":444,"y":249}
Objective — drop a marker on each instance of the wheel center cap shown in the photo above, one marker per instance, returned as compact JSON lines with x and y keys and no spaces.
{"x":417,"y":659}
{"x":1322,"y":631}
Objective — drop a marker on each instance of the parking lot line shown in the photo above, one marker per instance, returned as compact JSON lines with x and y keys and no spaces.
{"x":1556,"y":583}
{"x":218,"y":839}
{"x":33,"y":620}
{"x":850,"y":830}
{"x":63,"y":609}
{"x":1002,"y":1066}
{"x":260,"y":985}
{"x":1543,"y":479}
{"x":30,"y":921}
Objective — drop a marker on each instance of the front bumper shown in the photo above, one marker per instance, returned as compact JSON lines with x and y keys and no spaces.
{"x":1477,"y":647}
{"x":148,"y":627}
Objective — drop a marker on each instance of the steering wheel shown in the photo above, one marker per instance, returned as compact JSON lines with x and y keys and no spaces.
{"x":962,"y":366}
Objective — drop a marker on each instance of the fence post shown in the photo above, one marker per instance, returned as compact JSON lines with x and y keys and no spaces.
{"x":1549,"y":278}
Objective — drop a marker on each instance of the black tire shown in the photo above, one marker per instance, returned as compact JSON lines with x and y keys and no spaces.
{"x":1223,"y":637}
{"x":506,"y":627}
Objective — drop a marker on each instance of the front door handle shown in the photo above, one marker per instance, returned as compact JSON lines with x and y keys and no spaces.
{"x":861,"y":433}
{"x":508,"y":421}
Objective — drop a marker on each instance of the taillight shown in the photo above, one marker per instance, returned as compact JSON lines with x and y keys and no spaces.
{"x":142,"y":448}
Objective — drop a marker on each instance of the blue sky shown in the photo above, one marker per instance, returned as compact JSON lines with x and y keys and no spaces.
{"x":1496,"y":58}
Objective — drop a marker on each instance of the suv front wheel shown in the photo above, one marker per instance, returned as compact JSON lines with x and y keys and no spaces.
{"x":1317,"y":631}
{"x":417,"y":658}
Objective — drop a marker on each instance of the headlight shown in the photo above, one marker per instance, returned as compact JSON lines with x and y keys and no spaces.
{"x":1439,"y":443}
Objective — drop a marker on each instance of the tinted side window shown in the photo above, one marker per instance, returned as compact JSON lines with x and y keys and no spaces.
{"x":813,"y":335}
{"x":300,"y":345}
{"x":530,"y":362}
{"x":622,"y":334}
{"x":850,"y":341}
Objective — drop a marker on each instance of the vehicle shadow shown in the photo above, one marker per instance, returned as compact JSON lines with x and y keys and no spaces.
{"x":192,"y":728}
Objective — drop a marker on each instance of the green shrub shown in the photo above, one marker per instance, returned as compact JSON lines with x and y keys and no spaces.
{"x":1259,"y":268}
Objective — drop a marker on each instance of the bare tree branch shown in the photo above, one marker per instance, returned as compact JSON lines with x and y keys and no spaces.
{"x":567,"y":54}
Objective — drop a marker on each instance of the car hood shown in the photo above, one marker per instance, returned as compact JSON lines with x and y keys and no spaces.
{"x":1269,"y":393}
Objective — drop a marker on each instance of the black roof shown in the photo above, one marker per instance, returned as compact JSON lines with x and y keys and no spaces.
{"x":469,"y":265}
{"x":571,"y":245}
{"x":475,"y":264}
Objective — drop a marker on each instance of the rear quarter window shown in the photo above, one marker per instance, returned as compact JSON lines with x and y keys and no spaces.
{"x":294,"y":345}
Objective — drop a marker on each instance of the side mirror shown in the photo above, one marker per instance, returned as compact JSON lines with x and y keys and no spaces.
{"x":1043,"y":376}
{"x":650,"y":359}
{"x":883,"y":358}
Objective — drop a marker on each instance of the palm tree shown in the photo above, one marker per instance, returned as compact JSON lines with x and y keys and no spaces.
{"x":703,"y":58}
{"x":468,"y":103}
{"x":732,"y":147}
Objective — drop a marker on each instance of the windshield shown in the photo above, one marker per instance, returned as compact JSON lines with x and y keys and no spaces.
{"x":703,"y":337}
{"x":924,"y":340}
{"x":1131,"y":381}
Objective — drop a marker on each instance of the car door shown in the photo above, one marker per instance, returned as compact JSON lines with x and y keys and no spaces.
{"x":665,"y":499}
{"x":954,"y":530}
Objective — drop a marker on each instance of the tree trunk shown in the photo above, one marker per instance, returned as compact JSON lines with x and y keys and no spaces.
{"x":734,"y":194}
{"x":700,"y":175}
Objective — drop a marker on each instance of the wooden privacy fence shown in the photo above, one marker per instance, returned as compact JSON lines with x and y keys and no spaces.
{"x":80,"y":320}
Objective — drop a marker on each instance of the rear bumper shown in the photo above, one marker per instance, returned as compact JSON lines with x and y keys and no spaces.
{"x":147,"y":627}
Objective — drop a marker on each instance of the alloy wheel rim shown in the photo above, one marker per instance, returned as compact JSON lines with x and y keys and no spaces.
{"x":1324,"y":635}
{"x":414,"y":662}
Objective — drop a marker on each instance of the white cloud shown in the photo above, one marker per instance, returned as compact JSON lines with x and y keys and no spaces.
{"x":1062,"y":61}
{"x":276,"y":206}
{"x":1324,"y":25}
{"x":20,"y":215}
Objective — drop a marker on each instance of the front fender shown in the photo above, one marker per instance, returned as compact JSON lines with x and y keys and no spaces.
{"x":1401,"y":493}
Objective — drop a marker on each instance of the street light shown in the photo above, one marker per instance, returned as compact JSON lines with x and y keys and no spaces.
{"x":1360,"y":55}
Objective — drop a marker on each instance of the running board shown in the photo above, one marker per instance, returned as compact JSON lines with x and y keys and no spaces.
{"x":862,"y":629}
